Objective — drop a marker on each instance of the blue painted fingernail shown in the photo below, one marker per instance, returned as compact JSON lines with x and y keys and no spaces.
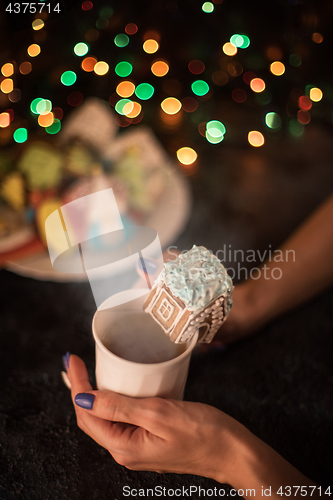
{"x":84,"y":400}
{"x":65,"y":360}
{"x":148,"y":266}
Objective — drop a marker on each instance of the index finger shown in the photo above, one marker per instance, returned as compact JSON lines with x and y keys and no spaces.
{"x":114,"y":407}
{"x":78,"y":376}
{"x":97,"y":428}
{"x":146,"y":413}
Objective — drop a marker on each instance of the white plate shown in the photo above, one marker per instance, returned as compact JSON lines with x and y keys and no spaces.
{"x":169,"y":219}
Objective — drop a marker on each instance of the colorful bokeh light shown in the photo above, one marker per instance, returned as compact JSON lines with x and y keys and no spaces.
{"x":304,"y":102}
{"x":273,"y":120}
{"x":171,"y":105}
{"x":7,"y":69}
{"x":186,"y":155}
{"x":7,"y":85}
{"x":68,"y":78}
{"x":315,"y":94}
{"x":150,"y":46}
{"x":214,"y":131}
{"x":208,"y":7}
{"x":246,"y":42}
{"x":20,"y":135}
{"x":277,"y":68}
{"x":237,"y":40}
{"x":229,"y":49}
{"x":4,"y":119}
{"x":131,"y":29}
{"x":33,"y":50}
{"x":257,"y":85}
{"x":121,"y":40}
{"x":215,"y":126}
{"x":256,"y":139}
{"x":37,"y":24}
{"x":214,"y":137}
{"x":200,"y":87}
{"x":88,"y":64}
{"x":87,"y":5}
{"x":317,"y":37}
{"x":125,"y":89}
{"x":303,"y":117}
{"x":46,"y":120}
{"x":101,"y":68}
{"x":81,"y":49}
{"x":124,"y":106}
{"x":54,"y":128}
{"x":123,"y":69}
{"x":34,"y":104}
{"x":144,"y":91}
{"x":43,"y":106}
{"x":25,"y":67}
{"x":240,"y":41}
{"x":135,"y":111}
{"x":160,"y":68}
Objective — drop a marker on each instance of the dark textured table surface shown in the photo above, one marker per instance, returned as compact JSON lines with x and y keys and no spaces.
{"x":278,"y":383}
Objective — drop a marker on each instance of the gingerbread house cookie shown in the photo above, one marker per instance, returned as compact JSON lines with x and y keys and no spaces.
{"x":192,"y":293}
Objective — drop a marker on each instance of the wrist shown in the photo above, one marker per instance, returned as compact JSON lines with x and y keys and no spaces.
{"x":238,"y":457}
{"x":256,"y":465}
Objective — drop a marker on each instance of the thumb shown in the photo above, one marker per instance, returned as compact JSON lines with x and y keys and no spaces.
{"x":108,"y":405}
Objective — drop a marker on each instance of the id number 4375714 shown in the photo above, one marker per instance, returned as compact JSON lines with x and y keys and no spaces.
{"x":292,"y":491}
{"x":32,"y":8}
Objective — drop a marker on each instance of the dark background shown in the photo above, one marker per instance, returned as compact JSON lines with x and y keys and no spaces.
{"x":277,"y":383}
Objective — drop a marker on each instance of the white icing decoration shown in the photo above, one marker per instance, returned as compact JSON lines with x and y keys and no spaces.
{"x":197,"y":277}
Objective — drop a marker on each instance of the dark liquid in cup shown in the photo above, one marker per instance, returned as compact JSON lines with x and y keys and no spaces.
{"x":137,"y":337}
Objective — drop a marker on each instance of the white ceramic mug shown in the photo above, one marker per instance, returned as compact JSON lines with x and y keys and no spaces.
{"x":166,"y":379}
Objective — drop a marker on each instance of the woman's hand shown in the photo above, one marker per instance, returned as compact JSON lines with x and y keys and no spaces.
{"x":158,"y":434}
{"x":177,"y":436}
{"x":245,"y":316}
{"x":305,"y":268}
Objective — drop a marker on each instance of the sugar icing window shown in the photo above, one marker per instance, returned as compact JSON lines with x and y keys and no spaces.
{"x":165,"y":309}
